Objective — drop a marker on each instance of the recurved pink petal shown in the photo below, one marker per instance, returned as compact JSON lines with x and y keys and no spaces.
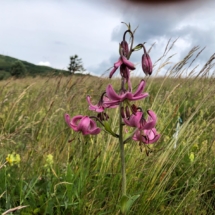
{"x":134,"y":120}
{"x":84,"y":125}
{"x":135,"y":98}
{"x":140,"y":88}
{"x":127,"y":95}
{"x":118,"y":63}
{"x":129,"y":64}
{"x":96,"y":108}
{"x":112,"y":72}
{"x":112,"y":104}
{"x":151,"y":121}
{"x":67,"y":119}
{"x":111,"y":94}
{"x":137,"y":136}
{"x":75,"y":121}
{"x":106,"y":100}
{"x":93,"y":129}
{"x":151,"y":136}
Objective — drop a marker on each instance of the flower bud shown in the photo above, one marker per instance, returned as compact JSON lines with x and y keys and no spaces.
{"x":128,"y":114}
{"x":134,"y":109}
{"x":122,"y":112}
{"x":102,"y":116}
{"x":125,"y":48}
{"x":146,"y":63}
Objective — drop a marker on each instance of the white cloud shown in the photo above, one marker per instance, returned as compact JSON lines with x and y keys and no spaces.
{"x":46,"y":63}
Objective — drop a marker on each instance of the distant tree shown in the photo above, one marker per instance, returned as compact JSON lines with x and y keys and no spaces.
{"x":18,"y":69}
{"x":75,"y":64}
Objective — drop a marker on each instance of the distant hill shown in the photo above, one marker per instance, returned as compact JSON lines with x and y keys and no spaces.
{"x":32,"y":69}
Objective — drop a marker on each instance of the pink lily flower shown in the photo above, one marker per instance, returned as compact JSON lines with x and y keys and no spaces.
{"x":122,"y":61}
{"x":115,"y":99}
{"x":146,"y":63}
{"x":82,"y":123}
{"x":137,"y":120}
{"x":146,"y":136}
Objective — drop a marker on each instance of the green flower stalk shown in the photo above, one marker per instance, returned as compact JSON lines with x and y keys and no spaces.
{"x":122,"y":154}
{"x":131,"y":117}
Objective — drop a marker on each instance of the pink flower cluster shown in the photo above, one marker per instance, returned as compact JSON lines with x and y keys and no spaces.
{"x":132,"y":116}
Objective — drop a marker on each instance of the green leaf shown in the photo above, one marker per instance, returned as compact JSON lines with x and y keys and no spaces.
{"x":128,"y":25}
{"x":108,"y":129}
{"x":126,"y":203}
{"x":138,"y":47}
{"x":128,"y":136}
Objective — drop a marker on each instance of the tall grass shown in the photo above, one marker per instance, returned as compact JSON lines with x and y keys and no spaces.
{"x":61,"y":172}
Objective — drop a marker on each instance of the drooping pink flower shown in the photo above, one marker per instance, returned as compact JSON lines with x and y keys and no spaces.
{"x":115,"y":98}
{"x":146,"y":63}
{"x":83,"y":124}
{"x":146,"y":136}
{"x":122,"y":61}
{"x":138,"y":121}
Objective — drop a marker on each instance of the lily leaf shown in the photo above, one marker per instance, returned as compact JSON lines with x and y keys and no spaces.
{"x":138,"y":47}
{"x":126,"y":203}
{"x":128,"y":136}
{"x":108,"y":129}
{"x":128,"y":25}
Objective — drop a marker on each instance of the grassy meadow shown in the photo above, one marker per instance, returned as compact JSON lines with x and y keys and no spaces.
{"x":47,"y":168}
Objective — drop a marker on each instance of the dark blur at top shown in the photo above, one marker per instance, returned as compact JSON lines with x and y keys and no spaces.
{"x":157,"y":2}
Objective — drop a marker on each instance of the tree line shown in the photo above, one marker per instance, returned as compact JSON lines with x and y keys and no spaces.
{"x":18,"y":69}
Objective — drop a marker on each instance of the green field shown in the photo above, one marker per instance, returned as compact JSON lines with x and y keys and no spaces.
{"x":47,"y":168}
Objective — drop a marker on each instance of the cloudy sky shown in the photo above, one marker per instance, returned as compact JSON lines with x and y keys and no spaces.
{"x":48,"y":32}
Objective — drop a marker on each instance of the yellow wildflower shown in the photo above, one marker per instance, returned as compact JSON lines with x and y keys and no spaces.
{"x":13,"y":159}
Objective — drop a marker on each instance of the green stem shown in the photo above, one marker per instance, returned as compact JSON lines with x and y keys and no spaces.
{"x":122,"y":153}
{"x":131,"y":46}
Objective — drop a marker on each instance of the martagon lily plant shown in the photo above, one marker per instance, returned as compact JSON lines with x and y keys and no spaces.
{"x":140,"y":122}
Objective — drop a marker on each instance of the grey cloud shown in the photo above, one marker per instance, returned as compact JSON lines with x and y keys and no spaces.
{"x":155,"y":21}
{"x":164,"y":22}
{"x":198,"y":37}
{"x":160,"y":23}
